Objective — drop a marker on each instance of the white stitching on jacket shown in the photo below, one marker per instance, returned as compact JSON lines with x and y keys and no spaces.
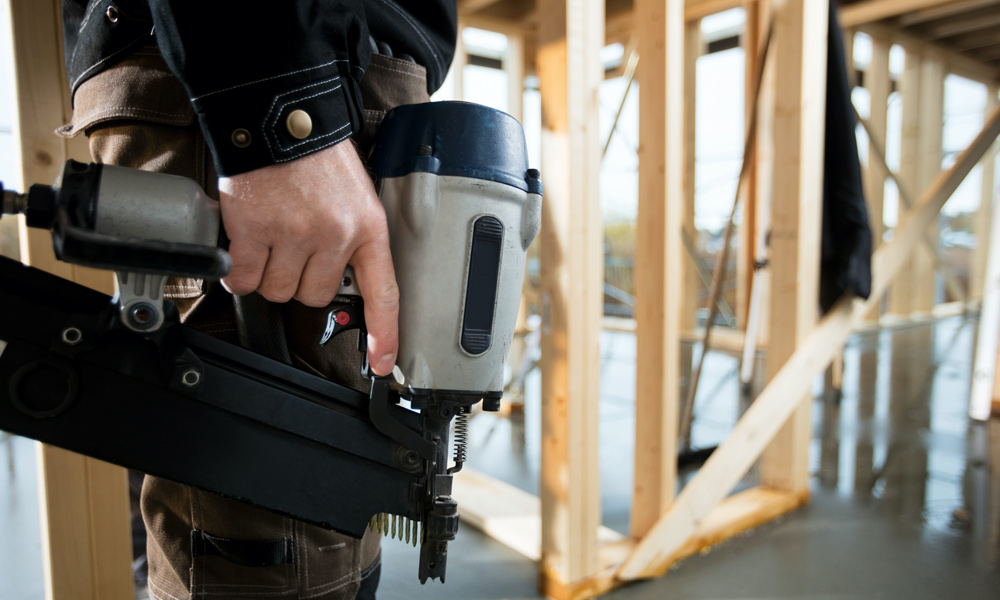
{"x":268,"y":79}
{"x":106,"y":58}
{"x":269,"y":126}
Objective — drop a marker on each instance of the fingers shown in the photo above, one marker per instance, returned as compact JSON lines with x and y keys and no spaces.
{"x":376,"y":279}
{"x":248,"y":267}
{"x":320,"y":280}
{"x":282,"y":274}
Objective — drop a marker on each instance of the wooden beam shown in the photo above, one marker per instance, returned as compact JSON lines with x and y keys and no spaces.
{"x":570,"y":36}
{"x":943,"y":11}
{"x":781,"y":397}
{"x":984,"y":216}
{"x":963,"y":26}
{"x":799,"y":120}
{"x":658,"y":241}
{"x":955,"y":62}
{"x":86,"y":535}
{"x":869,"y":11}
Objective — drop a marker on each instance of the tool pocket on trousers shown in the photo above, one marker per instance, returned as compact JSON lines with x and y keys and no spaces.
{"x":227,"y":567}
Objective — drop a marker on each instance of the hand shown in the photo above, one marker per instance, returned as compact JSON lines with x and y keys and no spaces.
{"x":294,"y":226}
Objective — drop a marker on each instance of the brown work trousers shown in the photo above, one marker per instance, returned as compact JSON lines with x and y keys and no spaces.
{"x":137,"y":114}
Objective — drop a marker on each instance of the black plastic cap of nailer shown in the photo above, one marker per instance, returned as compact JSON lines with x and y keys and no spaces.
{"x":460,"y":139}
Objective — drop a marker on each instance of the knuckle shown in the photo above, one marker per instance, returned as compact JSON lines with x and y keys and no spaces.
{"x":315,"y":297}
{"x":277,"y":296}
{"x":276,"y":291}
{"x":386,"y":295}
{"x":241,"y":284}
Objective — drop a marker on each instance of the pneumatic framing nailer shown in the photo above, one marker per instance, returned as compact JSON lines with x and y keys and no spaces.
{"x":122,"y":380}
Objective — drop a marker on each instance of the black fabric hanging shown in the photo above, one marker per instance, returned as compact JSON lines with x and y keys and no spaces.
{"x":847,"y":238}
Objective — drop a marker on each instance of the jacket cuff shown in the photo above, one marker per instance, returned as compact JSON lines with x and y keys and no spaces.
{"x":279,"y":119}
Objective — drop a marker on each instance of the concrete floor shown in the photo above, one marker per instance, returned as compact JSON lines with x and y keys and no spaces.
{"x":903,"y":502}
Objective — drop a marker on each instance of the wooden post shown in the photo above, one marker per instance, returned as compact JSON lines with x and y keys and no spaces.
{"x":458,"y":63}
{"x":691,"y":277}
{"x":879,"y":84}
{"x":571,"y":33}
{"x":878,"y":81}
{"x":901,"y":301}
{"x":759,"y":316}
{"x":984,"y":217}
{"x":660,"y":27}
{"x":513,"y":65}
{"x":799,"y":121}
{"x":86,"y":535}
{"x":932,"y":74}
{"x":747,"y":252}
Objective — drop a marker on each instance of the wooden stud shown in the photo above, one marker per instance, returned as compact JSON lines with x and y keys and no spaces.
{"x":779,"y":400}
{"x":458,"y":64}
{"x":747,"y":249}
{"x":984,"y":216}
{"x":658,"y":241}
{"x":879,"y":84}
{"x":929,"y":154}
{"x":570,"y":35}
{"x":901,"y":297}
{"x":687,"y":408}
{"x":985,"y":383}
{"x":86,"y":533}
{"x":692,"y":282}
{"x":799,"y":120}
{"x":513,"y":65}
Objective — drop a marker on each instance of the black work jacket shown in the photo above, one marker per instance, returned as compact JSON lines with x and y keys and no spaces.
{"x":248,"y":65}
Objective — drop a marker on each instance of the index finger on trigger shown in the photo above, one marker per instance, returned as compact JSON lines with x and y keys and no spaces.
{"x":377,"y":281}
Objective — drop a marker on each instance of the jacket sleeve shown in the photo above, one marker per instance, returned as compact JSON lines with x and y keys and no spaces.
{"x":248,"y":67}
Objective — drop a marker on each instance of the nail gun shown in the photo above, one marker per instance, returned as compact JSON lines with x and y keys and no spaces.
{"x":122,"y":380}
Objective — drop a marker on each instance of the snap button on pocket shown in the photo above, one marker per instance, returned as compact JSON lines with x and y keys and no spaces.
{"x":299,"y":124}
{"x":112,"y":13}
{"x":241,"y":138}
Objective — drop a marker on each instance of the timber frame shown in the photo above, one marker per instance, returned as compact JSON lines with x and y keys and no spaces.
{"x":776,"y":429}
{"x":86,"y":508}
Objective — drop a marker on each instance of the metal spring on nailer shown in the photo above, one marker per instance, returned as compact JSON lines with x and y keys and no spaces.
{"x":461,"y":438}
